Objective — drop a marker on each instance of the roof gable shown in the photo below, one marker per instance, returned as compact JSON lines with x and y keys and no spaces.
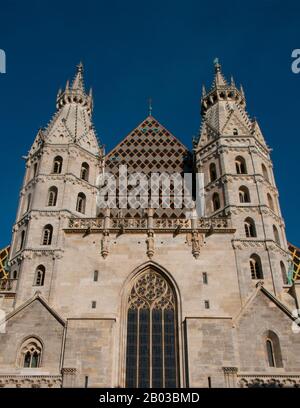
{"x":149,"y":148}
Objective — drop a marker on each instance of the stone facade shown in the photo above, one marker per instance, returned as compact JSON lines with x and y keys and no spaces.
{"x":67,"y":301}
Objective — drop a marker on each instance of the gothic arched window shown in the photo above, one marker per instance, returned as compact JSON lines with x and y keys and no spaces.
{"x":35,"y":169}
{"x":270,"y":201}
{"x":47,"y":235}
{"x":28,"y":202}
{"x":84,"y":172}
{"x":22,"y":240}
{"x":273,"y":349}
{"x":276,"y":235}
{"x":249,"y":226}
{"x":39,"y":276}
{"x":240,"y":165}
{"x":235,"y":131}
{"x":244,"y":195}
{"x":81,"y":201}
{"x":52,"y":196}
{"x":283,"y":273}
{"x":255,"y":267}
{"x":152,"y":343}
{"x":265,"y":172}
{"x":57,"y":165}
{"x":30,"y":355}
{"x":216,"y":202}
{"x":212,"y":172}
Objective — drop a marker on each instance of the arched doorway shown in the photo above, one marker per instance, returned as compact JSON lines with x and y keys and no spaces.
{"x":152,"y":332}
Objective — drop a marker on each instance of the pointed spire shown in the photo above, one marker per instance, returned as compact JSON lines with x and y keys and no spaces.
{"x":78,"y":83}
{"x":219,"y":79}
{"x":203,"y":91}
{"x":76,"y":92}
{"x":232,"y":83}
{"x":242,"y":91}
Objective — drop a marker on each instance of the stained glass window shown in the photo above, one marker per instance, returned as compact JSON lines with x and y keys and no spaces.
{"x":151,"y":354}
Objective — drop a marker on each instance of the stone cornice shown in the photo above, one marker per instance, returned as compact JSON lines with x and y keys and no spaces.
{"x":232,"y":177}
{"x":36,"y":213}
{"x":244,"y":243}
{"x":66,"y":177}
{"x":237,"y":209}
{"x":30,"y":253}
{"x":234,"y":139}
{"x":68,"y":147}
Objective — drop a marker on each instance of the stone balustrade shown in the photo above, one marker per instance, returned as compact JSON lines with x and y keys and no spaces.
{"x":146,"y":223}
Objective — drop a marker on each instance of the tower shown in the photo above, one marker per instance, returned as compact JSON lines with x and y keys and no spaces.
{"x":239,"y":182}
{"x":59,"y":183}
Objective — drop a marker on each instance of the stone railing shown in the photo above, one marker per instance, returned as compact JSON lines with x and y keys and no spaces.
{"x":268,"y":380}
{"x":8,"y":285}
{"x":30,"y":381}
{"x":157,"y":224}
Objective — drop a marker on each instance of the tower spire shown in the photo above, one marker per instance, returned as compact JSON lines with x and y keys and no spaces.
{"x":78,"y":83}
{"x":76,"y":92}
{"x":219,"y":79}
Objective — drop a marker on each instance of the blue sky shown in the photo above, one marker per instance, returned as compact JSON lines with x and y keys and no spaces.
{"x":135,"y":49}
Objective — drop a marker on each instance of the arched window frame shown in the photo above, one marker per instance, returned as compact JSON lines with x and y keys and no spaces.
{"x":216,"y":204}
{"x":212,"y":172}
{"x":57,"y":165}
{"x":35,"y":166}
{"x":39,"y":276}
{"x":28,"y":202}
{"x":52,"y":196}
{"x":244,"y":195}
{"x":273,"y":350}
{"x":249,"y":227}
{"x":276,"y":235}
{"x":265,"y":171}
{"x":240,"y":165}
{"x":22,"y":240}
{"x":169,"y":295}
{"x":47,"y":235}
{"x":270,"y":202}
{"x":30,"y":353}
{"x":256,"y":267}
{"x":283,"y":273}
{"x":84,"y":171}
{"x":81,"y":203}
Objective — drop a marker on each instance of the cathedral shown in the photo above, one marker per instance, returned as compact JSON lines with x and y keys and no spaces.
{"x":149,"y":296}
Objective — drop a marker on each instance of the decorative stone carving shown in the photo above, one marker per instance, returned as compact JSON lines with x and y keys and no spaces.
{"x":197,"y":243}
{"x":150,"y":244}
{"x":105,"y":244}
{"x":268,"y":381}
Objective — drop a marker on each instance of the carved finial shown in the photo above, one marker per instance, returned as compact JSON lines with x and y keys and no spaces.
{"x":150,"y":106}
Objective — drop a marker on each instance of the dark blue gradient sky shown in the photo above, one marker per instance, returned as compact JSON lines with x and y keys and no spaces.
{"x":135,"y":49}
